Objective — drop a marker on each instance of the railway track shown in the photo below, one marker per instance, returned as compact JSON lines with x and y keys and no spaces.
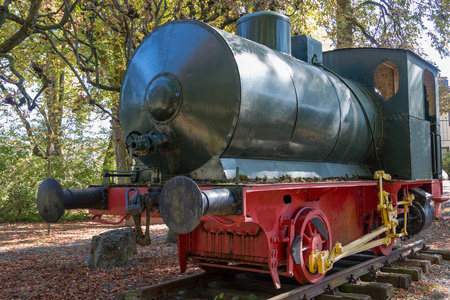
{"x":383,"y":272}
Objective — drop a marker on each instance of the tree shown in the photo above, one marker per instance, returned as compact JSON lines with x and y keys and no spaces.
{"x":34,"y":56}
{"x":444,"y":95}
{"x":92,"y":41}
{"x":40,"y":123}
{"x":388,"y":23}
{"x":63,"y":61}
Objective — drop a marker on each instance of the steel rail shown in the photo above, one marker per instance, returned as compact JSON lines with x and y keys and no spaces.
{"x":330,"y":282}
{"x":166,"y":288}
{"x":337,"y":279}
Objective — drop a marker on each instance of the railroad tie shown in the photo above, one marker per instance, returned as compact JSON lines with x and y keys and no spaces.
{"x":435,"y":259}
{"x":414,"y":272}
{"x":396,"y":279}
{"x":425,"y":265}
{"x":343,"y":296}
{"x":376,"y":290}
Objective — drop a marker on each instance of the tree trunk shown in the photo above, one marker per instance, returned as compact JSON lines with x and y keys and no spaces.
{"x":344,"y":25}
{"x":109,"y":160}
{"x":120,"y":150}
{"x":54,"y":96}
{"x":55,"y":102}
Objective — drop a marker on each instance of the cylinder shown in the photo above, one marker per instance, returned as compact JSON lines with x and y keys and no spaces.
{"x":52,"y":199}
{"x":421,"y":213}
{"x":84,"y":198}
{"x":268,"y":28}
{"x":183,"y":204}
{"x":219,"y":202}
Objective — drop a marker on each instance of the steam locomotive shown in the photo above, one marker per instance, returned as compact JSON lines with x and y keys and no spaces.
{"x":259,"y":150}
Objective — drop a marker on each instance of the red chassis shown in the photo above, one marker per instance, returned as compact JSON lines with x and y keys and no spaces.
{"x":282,"y":224}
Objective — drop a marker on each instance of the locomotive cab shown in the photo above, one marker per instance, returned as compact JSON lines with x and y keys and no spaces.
{"x":406,"y":87}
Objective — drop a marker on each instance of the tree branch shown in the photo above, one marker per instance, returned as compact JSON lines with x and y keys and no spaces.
{"x":103,"y":87}
{"x":75,"y":72}
{"x":37,"y":150}
{"x":4,"y":12}
{"x":385,"y":8}
{"x":364,"y":32}
{"x":24,"y":31}
{"x":30,"y":101}
{"x":60,"y":24}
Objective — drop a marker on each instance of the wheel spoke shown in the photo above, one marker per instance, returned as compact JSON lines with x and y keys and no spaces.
{"x":306,"y":239}
{"x":305,"y":248}
{"x":308,"y":229}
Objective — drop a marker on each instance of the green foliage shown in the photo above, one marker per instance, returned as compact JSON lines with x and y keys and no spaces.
{"x":75,"y":215}
{"x":243,"y":177}
{"x":22,"y":173}
{"x":394,"y":23}
{"x":19,"y":181}
{"x":446,"y":161}
{"x":444,"y":96}
{"x":65,"y":66}
{"x":285,"y":177}
{"x":31,"y":217}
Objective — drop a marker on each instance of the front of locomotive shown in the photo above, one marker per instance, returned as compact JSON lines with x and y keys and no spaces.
{"x":206,"y":104}
{"x":179,"y":99}
{"x":200,"y":102}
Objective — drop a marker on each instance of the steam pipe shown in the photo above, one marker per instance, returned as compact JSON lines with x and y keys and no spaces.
{"x":52,"y":199}
{"x":147,"y":143}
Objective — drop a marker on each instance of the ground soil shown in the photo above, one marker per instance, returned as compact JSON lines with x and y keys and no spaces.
{"x":35,"y":264}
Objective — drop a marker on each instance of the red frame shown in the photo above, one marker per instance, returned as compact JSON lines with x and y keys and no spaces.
{"x":260,"y":239}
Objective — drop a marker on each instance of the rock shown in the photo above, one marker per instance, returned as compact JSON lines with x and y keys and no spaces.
{"x":112,"y":249}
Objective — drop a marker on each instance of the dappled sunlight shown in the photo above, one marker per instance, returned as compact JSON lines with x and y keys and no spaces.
{"x":38,"y":262}
{"x":29,"y":235}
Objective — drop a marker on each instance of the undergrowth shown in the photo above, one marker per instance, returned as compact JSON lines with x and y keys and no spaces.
{"x":73,"y":215}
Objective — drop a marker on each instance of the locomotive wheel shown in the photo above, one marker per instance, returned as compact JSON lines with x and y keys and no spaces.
{"x":373,"y":222}
{"x":312,"y":232}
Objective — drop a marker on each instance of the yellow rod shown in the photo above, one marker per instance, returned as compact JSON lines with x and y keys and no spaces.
{"x":365,"y":238}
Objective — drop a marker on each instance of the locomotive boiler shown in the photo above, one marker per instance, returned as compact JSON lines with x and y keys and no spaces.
{"x":203,"y":109}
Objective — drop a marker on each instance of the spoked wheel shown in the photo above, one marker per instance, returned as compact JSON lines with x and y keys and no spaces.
{"x":312,"y":232}
{"x":373,"y":221}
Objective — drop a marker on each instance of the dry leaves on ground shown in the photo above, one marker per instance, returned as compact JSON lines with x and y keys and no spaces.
{"x":37,"y":265}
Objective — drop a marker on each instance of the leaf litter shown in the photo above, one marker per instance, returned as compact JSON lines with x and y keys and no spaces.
{"x":37,"y":265}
